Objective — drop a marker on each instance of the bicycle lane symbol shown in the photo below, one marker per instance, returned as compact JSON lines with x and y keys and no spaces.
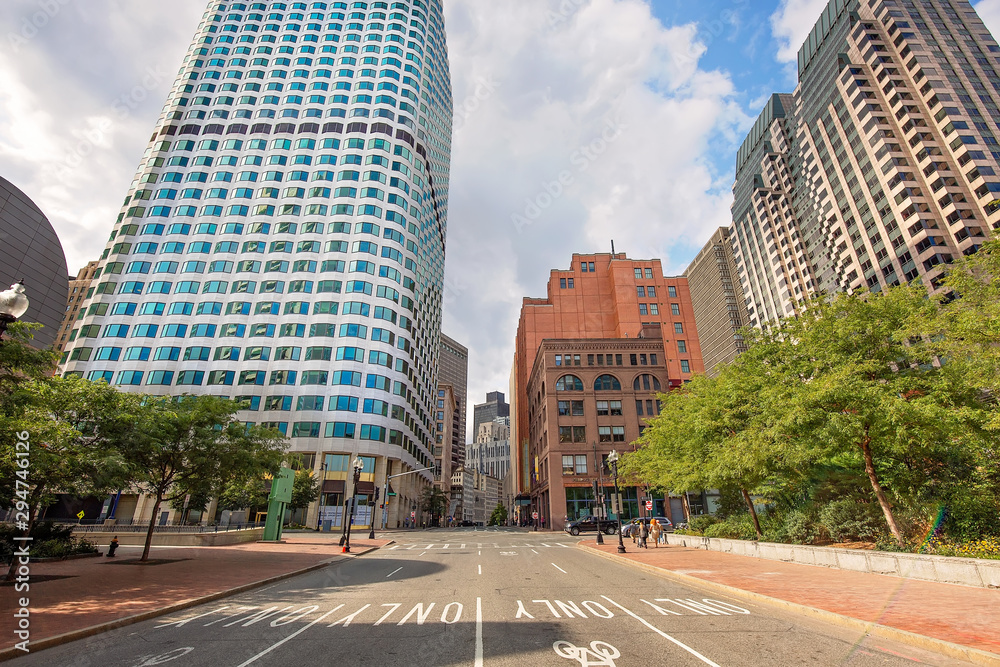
{"x":599,"y":653}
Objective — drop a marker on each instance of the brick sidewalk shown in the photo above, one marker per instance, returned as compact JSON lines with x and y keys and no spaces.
{"x":957,"y":614}
{"x":99,"y":590}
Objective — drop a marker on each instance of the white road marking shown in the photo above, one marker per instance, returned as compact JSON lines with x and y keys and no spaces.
{"x":479,"y":632}
{"x":559,"y":568}
{"x":534,"y":551}
{"x":659,"y":632}
{"x":288,"y":638}
{"x":393,"y":547}
{"x":480,"y":569}
{"x":423,"y":553}
{"x":393,"y":572}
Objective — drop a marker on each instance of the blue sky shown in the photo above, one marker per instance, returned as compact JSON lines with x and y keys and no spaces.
{"x":637,"y":105}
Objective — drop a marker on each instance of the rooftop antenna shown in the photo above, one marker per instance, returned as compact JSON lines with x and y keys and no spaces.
{"x":612,"y":246}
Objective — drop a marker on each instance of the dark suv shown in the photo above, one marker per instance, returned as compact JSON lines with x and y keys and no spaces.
{"x":590,"y":523}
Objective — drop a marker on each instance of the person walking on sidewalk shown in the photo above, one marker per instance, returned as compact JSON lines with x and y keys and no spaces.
{"x":654,"y":532}
{"x":643,"y":534}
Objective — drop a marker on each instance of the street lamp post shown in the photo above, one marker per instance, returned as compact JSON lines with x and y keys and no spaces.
{"x":13,"y":304}
{"x":599,"y":496}
{"x":358,"y":465}
{"x":613,"y":460}
{"x":322,"y":497}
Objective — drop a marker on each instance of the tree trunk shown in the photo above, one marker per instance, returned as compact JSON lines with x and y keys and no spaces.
{"x":152,"y":526}
{"x":753,"y":513}
{"x":883,"y":501}
{"x":686,"y":506}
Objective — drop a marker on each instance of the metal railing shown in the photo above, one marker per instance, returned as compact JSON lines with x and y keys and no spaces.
{"x":142,"y":527}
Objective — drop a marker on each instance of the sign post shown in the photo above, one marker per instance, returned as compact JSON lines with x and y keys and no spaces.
{"x":281,"y":495}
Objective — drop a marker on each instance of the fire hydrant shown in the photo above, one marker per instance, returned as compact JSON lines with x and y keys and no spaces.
{"x":112,"y":547}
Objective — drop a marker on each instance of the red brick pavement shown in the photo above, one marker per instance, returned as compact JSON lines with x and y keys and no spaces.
{"x":959,"y":614}
{"x":99,"y":590}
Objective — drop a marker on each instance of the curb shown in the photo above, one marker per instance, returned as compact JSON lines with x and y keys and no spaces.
{"x":950,"y":649}
{"x":66,"y":637}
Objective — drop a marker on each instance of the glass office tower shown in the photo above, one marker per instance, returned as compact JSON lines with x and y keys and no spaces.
{"x":283,"y":241}
{"x":882,"y":167}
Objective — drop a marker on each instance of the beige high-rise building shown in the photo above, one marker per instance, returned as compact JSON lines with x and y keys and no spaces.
{"x":77,"y":293}
{"x":717,"y":300}
{"x":882,"y":166}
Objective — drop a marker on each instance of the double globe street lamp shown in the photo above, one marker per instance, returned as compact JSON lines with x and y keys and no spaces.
{"x":13,"y":304}
{"x":358,"y":465}
{"x":613,"y":460}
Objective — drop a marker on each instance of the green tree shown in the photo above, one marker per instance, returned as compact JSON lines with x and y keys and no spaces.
{"x":857,"y":387}
{"x":434,"y":501}
{"x":195,"y":445}
{"x":246,"y":494}
{"x":305,"y":489}
{"x":76,"y":430}
{"x":499,"y":516}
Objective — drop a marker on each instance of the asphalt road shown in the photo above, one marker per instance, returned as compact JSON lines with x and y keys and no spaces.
{"x":492,"y":598}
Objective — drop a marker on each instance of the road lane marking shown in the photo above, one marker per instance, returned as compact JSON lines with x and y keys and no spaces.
{"x":535,"y":551}
{"x":423,"y":553}
{"x":393,"y":572}
{"x":480,"y":569}
{"x":286,"y":639}
{"x":559,"y":568}
{"x":479,"y":632}
{"x":661,"y":633}
{"x":188,"y":620}
{"x":395,"y":547}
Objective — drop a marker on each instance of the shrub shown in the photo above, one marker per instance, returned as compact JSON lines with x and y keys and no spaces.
{"x":736,"y":527}
{"x":972,"y":517}
{"x":699,"y":523}
{"x":799,"y":528}
{"x":852,"y":520}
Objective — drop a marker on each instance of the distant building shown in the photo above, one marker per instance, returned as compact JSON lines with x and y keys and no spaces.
{"x":484,"y":413}
{"x":78,"y":288}
{"x":30,"y":250}
{"x":453,"y":369}
{"x":717,"y":299}
{"x":601,"y":296}
{"x":490,"y":453}
{"x":586,"y":397}
{"x":445,"y":419}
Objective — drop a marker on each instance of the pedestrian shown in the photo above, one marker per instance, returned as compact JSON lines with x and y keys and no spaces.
{"x":634,"y":532}
{"x":643,"y":534}
{"x":655,"y":531}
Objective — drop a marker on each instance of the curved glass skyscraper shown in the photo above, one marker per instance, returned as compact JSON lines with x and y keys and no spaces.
{"x":283,"y":241}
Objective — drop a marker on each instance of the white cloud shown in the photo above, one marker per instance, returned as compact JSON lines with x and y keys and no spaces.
{"x":81,"y":86}
{"x":989,"y":12}
{"x":791,"y":24}
{"x":609,"y":99}
{"x":596,"y":90}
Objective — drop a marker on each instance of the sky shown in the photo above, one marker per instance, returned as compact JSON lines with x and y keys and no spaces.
{"x":577,"y":123}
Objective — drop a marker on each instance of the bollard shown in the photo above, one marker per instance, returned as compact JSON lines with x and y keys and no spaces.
{"x":112,"y":547}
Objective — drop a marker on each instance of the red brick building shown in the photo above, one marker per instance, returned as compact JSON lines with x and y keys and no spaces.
{"x":604,"y":301}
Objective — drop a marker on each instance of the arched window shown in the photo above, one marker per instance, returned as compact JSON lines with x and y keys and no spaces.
{"x":607,"y":383}
{"x":646,"y":382}
{"x":569,"y":383}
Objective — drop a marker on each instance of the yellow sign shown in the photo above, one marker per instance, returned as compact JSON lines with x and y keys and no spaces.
{"x":79,"y":514}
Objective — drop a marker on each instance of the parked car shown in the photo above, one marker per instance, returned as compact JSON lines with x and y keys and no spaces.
{"x":590,"y":523}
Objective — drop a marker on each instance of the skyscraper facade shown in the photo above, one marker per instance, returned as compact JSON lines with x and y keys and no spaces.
{"x":283,"y":241}
{"x":601,"y":296}
{"x":484,"y":413}
{"x":882,"y":167}
{"x":717,"y":301}
{"x":453,"y":369}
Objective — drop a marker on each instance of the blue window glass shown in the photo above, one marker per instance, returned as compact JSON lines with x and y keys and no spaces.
{"x":137,"y":354}
{"x":167,"y":354}
{"x":174,"y":331}
{"x":151,"y":308}
{"x":181,"y":308}
{"x":108,"y":353}
{"x":202,"y":331}
{"x":129,"y":378}
{"x":160,"y":378}
{"x":116,"y":331}
{"x":123,"y":308}
{"x":145,"y":330}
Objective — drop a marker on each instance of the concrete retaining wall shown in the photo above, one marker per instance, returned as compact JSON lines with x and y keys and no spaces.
{"x":943,"y":569}
{"x":219,"y":539}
